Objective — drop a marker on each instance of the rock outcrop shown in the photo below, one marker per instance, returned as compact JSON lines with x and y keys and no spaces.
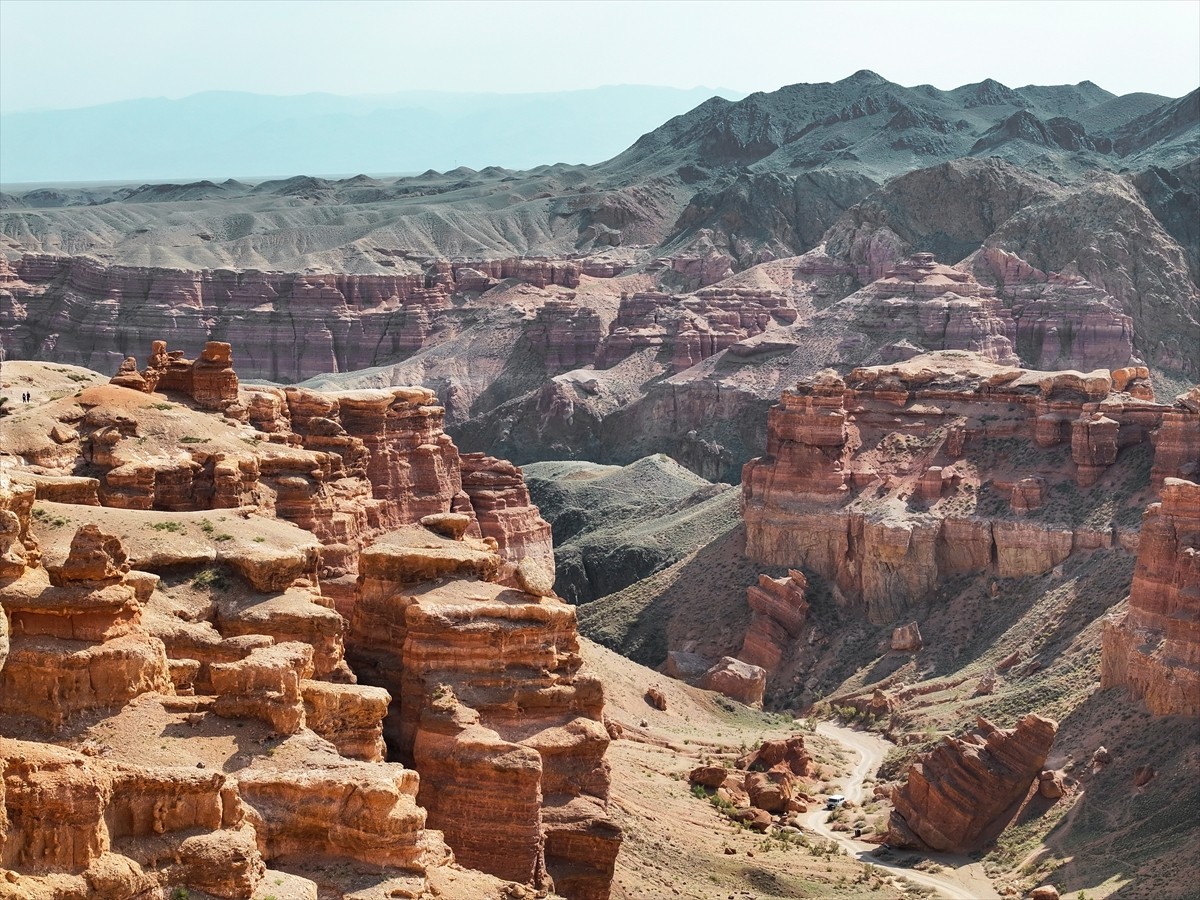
{"x":691,"y":328}
{"x":490,"y":705}
{"x":502,"y":507}
{"x":737,"y":680}
{"x":877,"y":481}
{"x":936,"y":306}
{"x":1153,"y":647}
{"x":78,"y":643}
{"x":960,"y":795}
{"x":318,"y":323}
{"x":779,"y":611}
{"x":476,"y":682}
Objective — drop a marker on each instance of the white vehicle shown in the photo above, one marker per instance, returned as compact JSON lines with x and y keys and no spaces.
{"x":834,"y":801}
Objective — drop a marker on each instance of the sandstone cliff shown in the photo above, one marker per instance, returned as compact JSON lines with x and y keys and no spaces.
{"x":492,"y":709}
{"x":898,"y":476}
{"x":214,"y":622}
{"x":1153,"y":647}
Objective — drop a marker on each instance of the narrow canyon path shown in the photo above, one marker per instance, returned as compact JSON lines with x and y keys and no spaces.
{"x":964,"y":878}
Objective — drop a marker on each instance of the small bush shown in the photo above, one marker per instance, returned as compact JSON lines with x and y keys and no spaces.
{"x":191,"y":439}
{"x":210,"y":578}
{"x":173,"y":527}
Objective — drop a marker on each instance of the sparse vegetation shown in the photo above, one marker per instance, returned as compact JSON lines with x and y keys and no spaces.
{"x":210,"y":578}
{"x":51,"y":521}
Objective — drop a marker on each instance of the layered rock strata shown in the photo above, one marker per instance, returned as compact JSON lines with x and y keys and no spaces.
{"x":490,"y":705}
{"x":1153,"y":647}
{"x":934,"y":305}
{"x":691,"y":327}
{"x":877,"y":481}
{"x":78,"y":643}
{"x":344,"y":465}
{"x":1060,"y":321}
{"x":960,"y":794}
{"x":247,"y":649}
{"x":288,"y":326}
{"x":779,"y":612}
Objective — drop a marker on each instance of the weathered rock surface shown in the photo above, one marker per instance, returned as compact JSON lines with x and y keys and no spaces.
{"x":958,"y":794}
{"x":249,"y":652}
{"x":737,"y":680}
{"x":347,"y":322}
{"x":779,"y":611}
{"x":490,"y":705}
{"x":1153,"y":647}
{"x":78,"y":643}
{"x":505,"y":513}
{"x":877,"y":481}
{"x":100,"y":829}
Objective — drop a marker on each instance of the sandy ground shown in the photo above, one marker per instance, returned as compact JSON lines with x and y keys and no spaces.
{"x":681,"y":846}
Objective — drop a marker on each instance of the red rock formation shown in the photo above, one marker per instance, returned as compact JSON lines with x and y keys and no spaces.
{"x":350,"y":810}
{"x":78,"y":643}
{"x":858,"y":481}
{"x":691,"y":328}
{"x":566,"y":334}
{"x":505,"y":513}
{"x":67,"y":815}
{"x":959,"y":795}
{"x":77,"y":310}
{"x":1177,"y":440}
{"x":937,"y":306}
{"x":778,"y":614}
{"x":737,"y":680}
{"x":906,"y":639}
{"x":1062,"y":321}
{"x":1153,"y":648}
{"x":209,"y":380}
{"x":490,"y":705}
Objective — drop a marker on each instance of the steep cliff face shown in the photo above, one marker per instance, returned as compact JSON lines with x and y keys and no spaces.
{"x":691,"y":328}
{"x":78,"y":643}
{"x":492,"y":709}
{"x":287,"y":327}
{"x":239,"y":663}
{"x":345,"y":465}
{"x":931,"y":305}
{"x":1153,"y":647}
{"x":899,"y":476}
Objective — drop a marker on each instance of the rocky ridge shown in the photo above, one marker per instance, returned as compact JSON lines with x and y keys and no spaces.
{"x":885,"y":482}
{"x":222,"y":623}
{"x":958,"y":794}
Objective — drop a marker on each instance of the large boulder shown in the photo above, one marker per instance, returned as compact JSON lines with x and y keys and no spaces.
{"x":959,"y":793}
{"x":737,"y":680}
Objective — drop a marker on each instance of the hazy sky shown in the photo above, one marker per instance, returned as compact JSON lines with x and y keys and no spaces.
{"x":64,"y":54}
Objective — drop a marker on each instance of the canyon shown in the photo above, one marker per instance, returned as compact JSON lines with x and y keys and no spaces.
{"x":310,"y":575}
{"x":520,"y":534}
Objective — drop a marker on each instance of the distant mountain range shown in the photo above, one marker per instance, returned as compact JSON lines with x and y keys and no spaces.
{"x":252,"y":135}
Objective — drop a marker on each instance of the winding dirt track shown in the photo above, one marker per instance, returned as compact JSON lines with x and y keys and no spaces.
{"x":965,"y":879}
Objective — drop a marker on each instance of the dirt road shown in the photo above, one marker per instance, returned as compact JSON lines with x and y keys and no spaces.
{"x":964,"y":879}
